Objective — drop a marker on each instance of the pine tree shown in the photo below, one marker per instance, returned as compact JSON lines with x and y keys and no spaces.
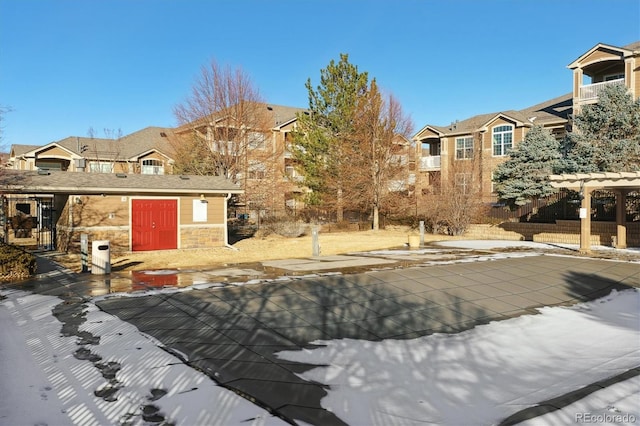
{"x":607,"y":134}
{"x":325,"y":133}
{"x":524,"y":175}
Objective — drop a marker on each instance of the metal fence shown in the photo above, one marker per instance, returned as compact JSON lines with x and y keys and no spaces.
{"x":565,"y":205}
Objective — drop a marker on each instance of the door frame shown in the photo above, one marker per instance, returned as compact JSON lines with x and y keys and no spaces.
{"x":178,"y":208}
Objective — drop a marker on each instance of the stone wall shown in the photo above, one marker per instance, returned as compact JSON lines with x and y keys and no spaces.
{"x":201,"y":237}
{"x":190,"y":238}
{"x":69,"y":241}
{"x":561,"y":232}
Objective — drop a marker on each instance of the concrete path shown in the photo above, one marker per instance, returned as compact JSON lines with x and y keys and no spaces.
{"x":233,"y":333}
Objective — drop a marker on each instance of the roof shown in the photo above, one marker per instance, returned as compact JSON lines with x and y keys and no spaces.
{"x":276,"y":115}
{"x":128,"y":147}
{"x":283,"y":114}
{"x":553,"y":111}
{"x":17,"y":150}
{"x":632,"y":49}
{"x":58,"y":182}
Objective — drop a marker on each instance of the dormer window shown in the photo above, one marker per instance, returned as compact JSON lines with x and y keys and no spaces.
{"x":152,"y":167}
{"x":502,"y":137}
{"x":100,"y":167}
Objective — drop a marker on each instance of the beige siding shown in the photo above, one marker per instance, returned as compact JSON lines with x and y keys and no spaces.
{"x":428,"y":133}
{"x":600,"y":55}
{"x":91,"y":211}
{"x":120,"y":167}
{"x":54,"y":151}
{"x":215,"y":210}
{"x":633,"y":70}
{"x":154,"y":156}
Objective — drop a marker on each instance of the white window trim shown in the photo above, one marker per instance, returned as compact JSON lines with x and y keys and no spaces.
{"x":102,"y":166}
{"x":464,"y":148}
{"x":464,"y":180}
{"x":156,"y":165}
{"x":504,"y":151}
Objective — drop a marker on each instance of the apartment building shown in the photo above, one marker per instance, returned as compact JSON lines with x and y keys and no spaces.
{"x":466,"y":152}
{"x":122,"y":190}
{"x":251,"y":145}
{"x":146,"y":151}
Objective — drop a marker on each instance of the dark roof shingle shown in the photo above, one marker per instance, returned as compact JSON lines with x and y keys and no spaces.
{"x":58,"y":182}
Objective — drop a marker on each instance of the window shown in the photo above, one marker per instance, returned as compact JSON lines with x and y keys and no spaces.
{"x":612,"y":77}
{"x":399,"y":160}
{"x":256,"y":140}
{"x":48,"y":165}
{"x":100,"y":167}
{"x":256,"y":174}
{"x":24,"y":208}
{"x":502,"y":140}
{"x":152,"y":167}
{"x":464,"y":148}
{"x":463,"y":182}
{"x":256,"y":170}
{"x":292,"y":174}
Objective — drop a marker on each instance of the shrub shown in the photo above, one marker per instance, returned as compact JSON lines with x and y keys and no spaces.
{"x":15,"y":263}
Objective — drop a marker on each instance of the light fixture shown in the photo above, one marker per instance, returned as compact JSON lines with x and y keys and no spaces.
{"x":202,"y":198}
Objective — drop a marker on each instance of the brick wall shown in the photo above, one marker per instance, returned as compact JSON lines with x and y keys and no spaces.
{"x":561,"y":232}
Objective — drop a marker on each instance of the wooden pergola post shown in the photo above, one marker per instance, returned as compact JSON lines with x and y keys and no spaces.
{"x":619,"y":182}
{"x":621,"y":219}
{"x":585,"y":221}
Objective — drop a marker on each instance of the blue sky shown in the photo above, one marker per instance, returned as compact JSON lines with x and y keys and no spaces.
{"x":70,"y":65}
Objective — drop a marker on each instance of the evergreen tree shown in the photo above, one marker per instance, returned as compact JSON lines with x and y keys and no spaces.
{"x":524,"y":175}
{"x":607,"y":134}
{"x":325,"y":134}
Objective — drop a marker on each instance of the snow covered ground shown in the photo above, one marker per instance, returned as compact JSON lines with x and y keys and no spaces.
{"x":476,"y":377}
{"x":43,"y":383}
{"x":485,"y":374}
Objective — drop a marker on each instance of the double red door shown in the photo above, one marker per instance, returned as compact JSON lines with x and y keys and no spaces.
{"x":154,"y":224}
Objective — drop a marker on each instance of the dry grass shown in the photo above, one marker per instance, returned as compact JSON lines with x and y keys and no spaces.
{"x":257,"y":249}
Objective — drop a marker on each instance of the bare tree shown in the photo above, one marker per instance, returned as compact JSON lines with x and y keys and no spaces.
{"x":4,"y":237}
{"x":380,"y":159}
{"x":455,"y":201}
{"x":105,"y":152}
{"x":225,"y":129}
{"x":3,"y":111}
{"x":222,"y":119}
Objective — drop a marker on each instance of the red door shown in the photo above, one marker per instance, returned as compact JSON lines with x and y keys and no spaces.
{"x":154,"y":224}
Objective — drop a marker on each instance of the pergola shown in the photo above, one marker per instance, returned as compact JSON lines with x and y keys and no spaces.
{"x":585,"y":183}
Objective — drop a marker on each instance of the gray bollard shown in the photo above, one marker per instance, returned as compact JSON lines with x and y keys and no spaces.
{"x":315,"y":241}
{"x":421,"y":233}
{"x":84,"y":252}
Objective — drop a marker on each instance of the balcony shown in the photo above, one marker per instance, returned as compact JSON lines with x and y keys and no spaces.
{"x":431,"y":162}
{"x":590,"y":92}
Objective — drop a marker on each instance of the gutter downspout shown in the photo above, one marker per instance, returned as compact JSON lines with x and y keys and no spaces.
{"x":226,"y":225}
